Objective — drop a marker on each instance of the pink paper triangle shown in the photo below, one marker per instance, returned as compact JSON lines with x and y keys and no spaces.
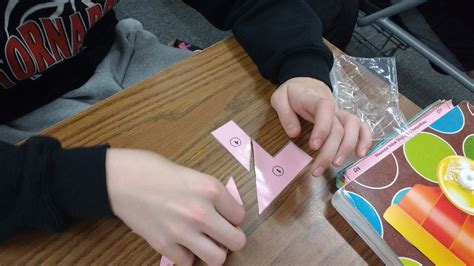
{"x":274,"y":174}
{"x":232,"y":188}
{"x":165,"y":261}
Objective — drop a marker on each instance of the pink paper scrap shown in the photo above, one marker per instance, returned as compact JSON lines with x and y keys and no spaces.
{"x":166,"y":262}
{"x":236,"y":141}
{"x":232,"y":188}
{"x":274,"y":174}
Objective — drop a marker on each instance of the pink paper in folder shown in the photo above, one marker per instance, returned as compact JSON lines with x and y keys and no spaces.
{"x":274,"y":174}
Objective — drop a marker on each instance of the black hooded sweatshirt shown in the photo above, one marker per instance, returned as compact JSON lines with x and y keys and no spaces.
{"x":50,"y":48}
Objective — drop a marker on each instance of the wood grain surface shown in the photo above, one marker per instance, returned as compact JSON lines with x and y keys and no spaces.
{"x":173,"y":113}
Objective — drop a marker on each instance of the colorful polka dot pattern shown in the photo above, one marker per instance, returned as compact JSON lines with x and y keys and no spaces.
{"x":424,"y":151}
{"x":409,"y":262}
{"x":468,"y":147}
{"x":367,"y":210}
{"x":399,"y":195}
{"x":451,"y":123}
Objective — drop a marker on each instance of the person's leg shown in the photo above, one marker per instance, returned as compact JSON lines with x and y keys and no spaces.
{"x":417,"y":22}
{"x":135,"y":55}
{"x":463,"y":11}
{"x":338,"y":18}
{"x":439,"y":25}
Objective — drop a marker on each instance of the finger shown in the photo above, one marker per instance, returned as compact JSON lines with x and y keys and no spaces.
{"x":328,"y":151}
{"x":178,"y":254}
{"x":349,"y":142}
{"x":228,"y":207}
{"x":223,"y":232}
{"x":365,"y":140}
{"x":288,"y":118}
{"x":206,"y":249}
{"x":323,"y":120}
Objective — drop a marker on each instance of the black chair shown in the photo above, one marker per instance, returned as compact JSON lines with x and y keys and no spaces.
{"x":378,"y":14}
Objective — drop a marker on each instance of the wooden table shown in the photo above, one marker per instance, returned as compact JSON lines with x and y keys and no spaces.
{"x":173,"y":113}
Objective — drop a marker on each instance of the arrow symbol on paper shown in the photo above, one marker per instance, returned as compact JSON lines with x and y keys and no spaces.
{"x":274,"y":174}
{"x":235,"y":142}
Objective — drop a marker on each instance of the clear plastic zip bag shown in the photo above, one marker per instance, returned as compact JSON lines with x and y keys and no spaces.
{"x":368,"y":88}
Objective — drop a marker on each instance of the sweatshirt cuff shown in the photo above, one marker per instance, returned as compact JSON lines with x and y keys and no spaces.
{"x":79,"y":186}
{"x":304,"y":64}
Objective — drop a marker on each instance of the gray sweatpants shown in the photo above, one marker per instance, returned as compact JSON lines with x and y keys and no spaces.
{"x":135,"y":55}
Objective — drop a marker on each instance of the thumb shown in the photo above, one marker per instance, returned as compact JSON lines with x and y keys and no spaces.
{"x":288,"y":118}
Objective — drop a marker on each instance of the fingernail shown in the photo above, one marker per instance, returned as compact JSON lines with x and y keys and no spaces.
{"x":364,"y":151}
{"x":339,"y":161}
{"x":290,"y":128}
{"x":316,"y":143}
{"x":319,"y":171}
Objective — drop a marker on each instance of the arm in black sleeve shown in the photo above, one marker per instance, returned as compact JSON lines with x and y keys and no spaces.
{"x":283,"y":37}
{"x":42,"y":185}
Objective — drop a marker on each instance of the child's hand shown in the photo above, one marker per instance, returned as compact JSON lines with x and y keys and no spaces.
{"x":178,"y":211}
{"x":336,"y":133}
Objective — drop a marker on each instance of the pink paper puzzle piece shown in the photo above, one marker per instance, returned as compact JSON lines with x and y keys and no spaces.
{"x":232,"y":188}
{"x":236,"y":141}
{"x":166,"y":262}
{"x":274,"y":174}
